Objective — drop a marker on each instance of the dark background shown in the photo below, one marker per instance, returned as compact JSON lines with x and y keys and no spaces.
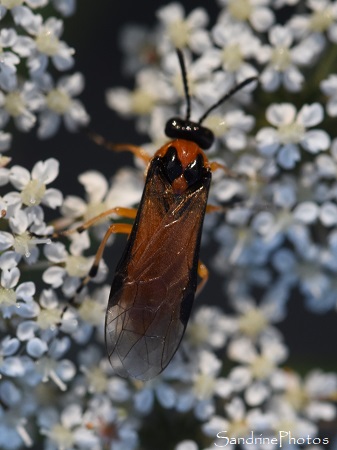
{"x":93,"y":31}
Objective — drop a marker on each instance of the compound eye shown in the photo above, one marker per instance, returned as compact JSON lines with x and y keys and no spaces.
{"x":194,"y":170}
{"x":172,"y":164}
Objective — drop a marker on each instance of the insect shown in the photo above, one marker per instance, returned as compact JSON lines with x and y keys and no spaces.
{"x":156,"y":280}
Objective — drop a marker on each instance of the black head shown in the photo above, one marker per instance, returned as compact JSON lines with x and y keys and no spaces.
{"x":177,"y":128}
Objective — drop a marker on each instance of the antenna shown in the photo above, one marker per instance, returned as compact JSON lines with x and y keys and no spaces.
{"x":225,"y":97}
{"x":184,"y":75}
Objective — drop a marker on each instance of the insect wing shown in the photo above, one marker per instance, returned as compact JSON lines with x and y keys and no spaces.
{"x":155,"y":282}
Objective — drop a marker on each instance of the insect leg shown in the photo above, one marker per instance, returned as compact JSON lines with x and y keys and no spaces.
{"x":129,"y":213}
{"x":114,"y":228}
{"x":135,"y":149}
{"x":124,"y":228}
{"x":203,"y":274}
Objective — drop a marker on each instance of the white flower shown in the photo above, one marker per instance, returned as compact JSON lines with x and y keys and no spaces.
{"x":259,"y":369}
{"x":46,"y":44}
{"x":231,"y":128}
{"x":16,"y":299}
{"x":150,"y":90}
{"x":183,"y":32}
{"x":254,"y":11}
{"x":310,"y":396}
{"x":33,"y":186}
{"x":323,"y":19}
{"x":239,"y":423}
{"x":286,"y":418}
{"x":68,"y":269}
{"x":125,"y":190}
{"x":292,"y":130}
{"x":283,"y":59}
{"x":59,"y":103}
{"x":68,"y":430}
{"x":20,"y":104}
{"x":238,"y":46}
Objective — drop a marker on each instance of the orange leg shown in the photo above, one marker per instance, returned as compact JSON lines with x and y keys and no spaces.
{"x":203,"y":274}
{"x":129,"y":213}
{"x":136,"y":150}
{"x":123,"y":228}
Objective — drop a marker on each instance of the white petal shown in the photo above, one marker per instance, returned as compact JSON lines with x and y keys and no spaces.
{"x":8,"y":260}
{"x":281,"y":114}
{"x":288,"y":156}
{"x":280,"y":36}
{"x":10,"y":278}
{"x":186,"y":445}
{"x":73,"y":207}
{"x":26,"y":291}
{"x":328,"y":214}
{"x":71,"y":416}
{"x":262,"y":18}
{"x":240,"y":378}
{"x":315,"y":141}
{"x":166,"y":395}
{"x":268,"y":141}
{"x":53,"y":276}
{"x":66,"y":370}
{"x":64,"y":59}
{"x":26,"y":330}
{"x":19,"y":177}
{"x":310,"y":115}
{"x":52,"y":198}
{"x":9,"y":346}
{"x":241,"y":350}
{"x":256,"y":394}
{"x":36,"y":347}
{"x":171,"y":13}
{"x":46,"y":171}
{"x":73,"y":84}
{"x":95,"y":185}
{"x":55,"y":252}
{"x":12,"y":367}
{"x":331,"y":107}
{"x":6,"y":240}
{"x":329,"y":86}
{"x":306,"y":212}
{"x":49,"y":124}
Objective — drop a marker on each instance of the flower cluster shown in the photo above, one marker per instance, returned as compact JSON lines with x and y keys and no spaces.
{"x":31,"y":45}
{"x":276,"y":242}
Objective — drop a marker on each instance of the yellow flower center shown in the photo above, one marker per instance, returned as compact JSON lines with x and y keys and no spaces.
{"x":58,"y":101}
{"x":47,"y":42}
{"x":280,"y":58}
{"x":9,"y":4}
{"x":142,"y":102}
{"x":252,"y":322}
{"x":232,"y":57}
{"x":14,"y":104}
{"x":33,"y":193}
{"x":291,"y":133}
{"x":179,"y":33}
{"x":321,"y":20}
{"x":240,"y":9}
